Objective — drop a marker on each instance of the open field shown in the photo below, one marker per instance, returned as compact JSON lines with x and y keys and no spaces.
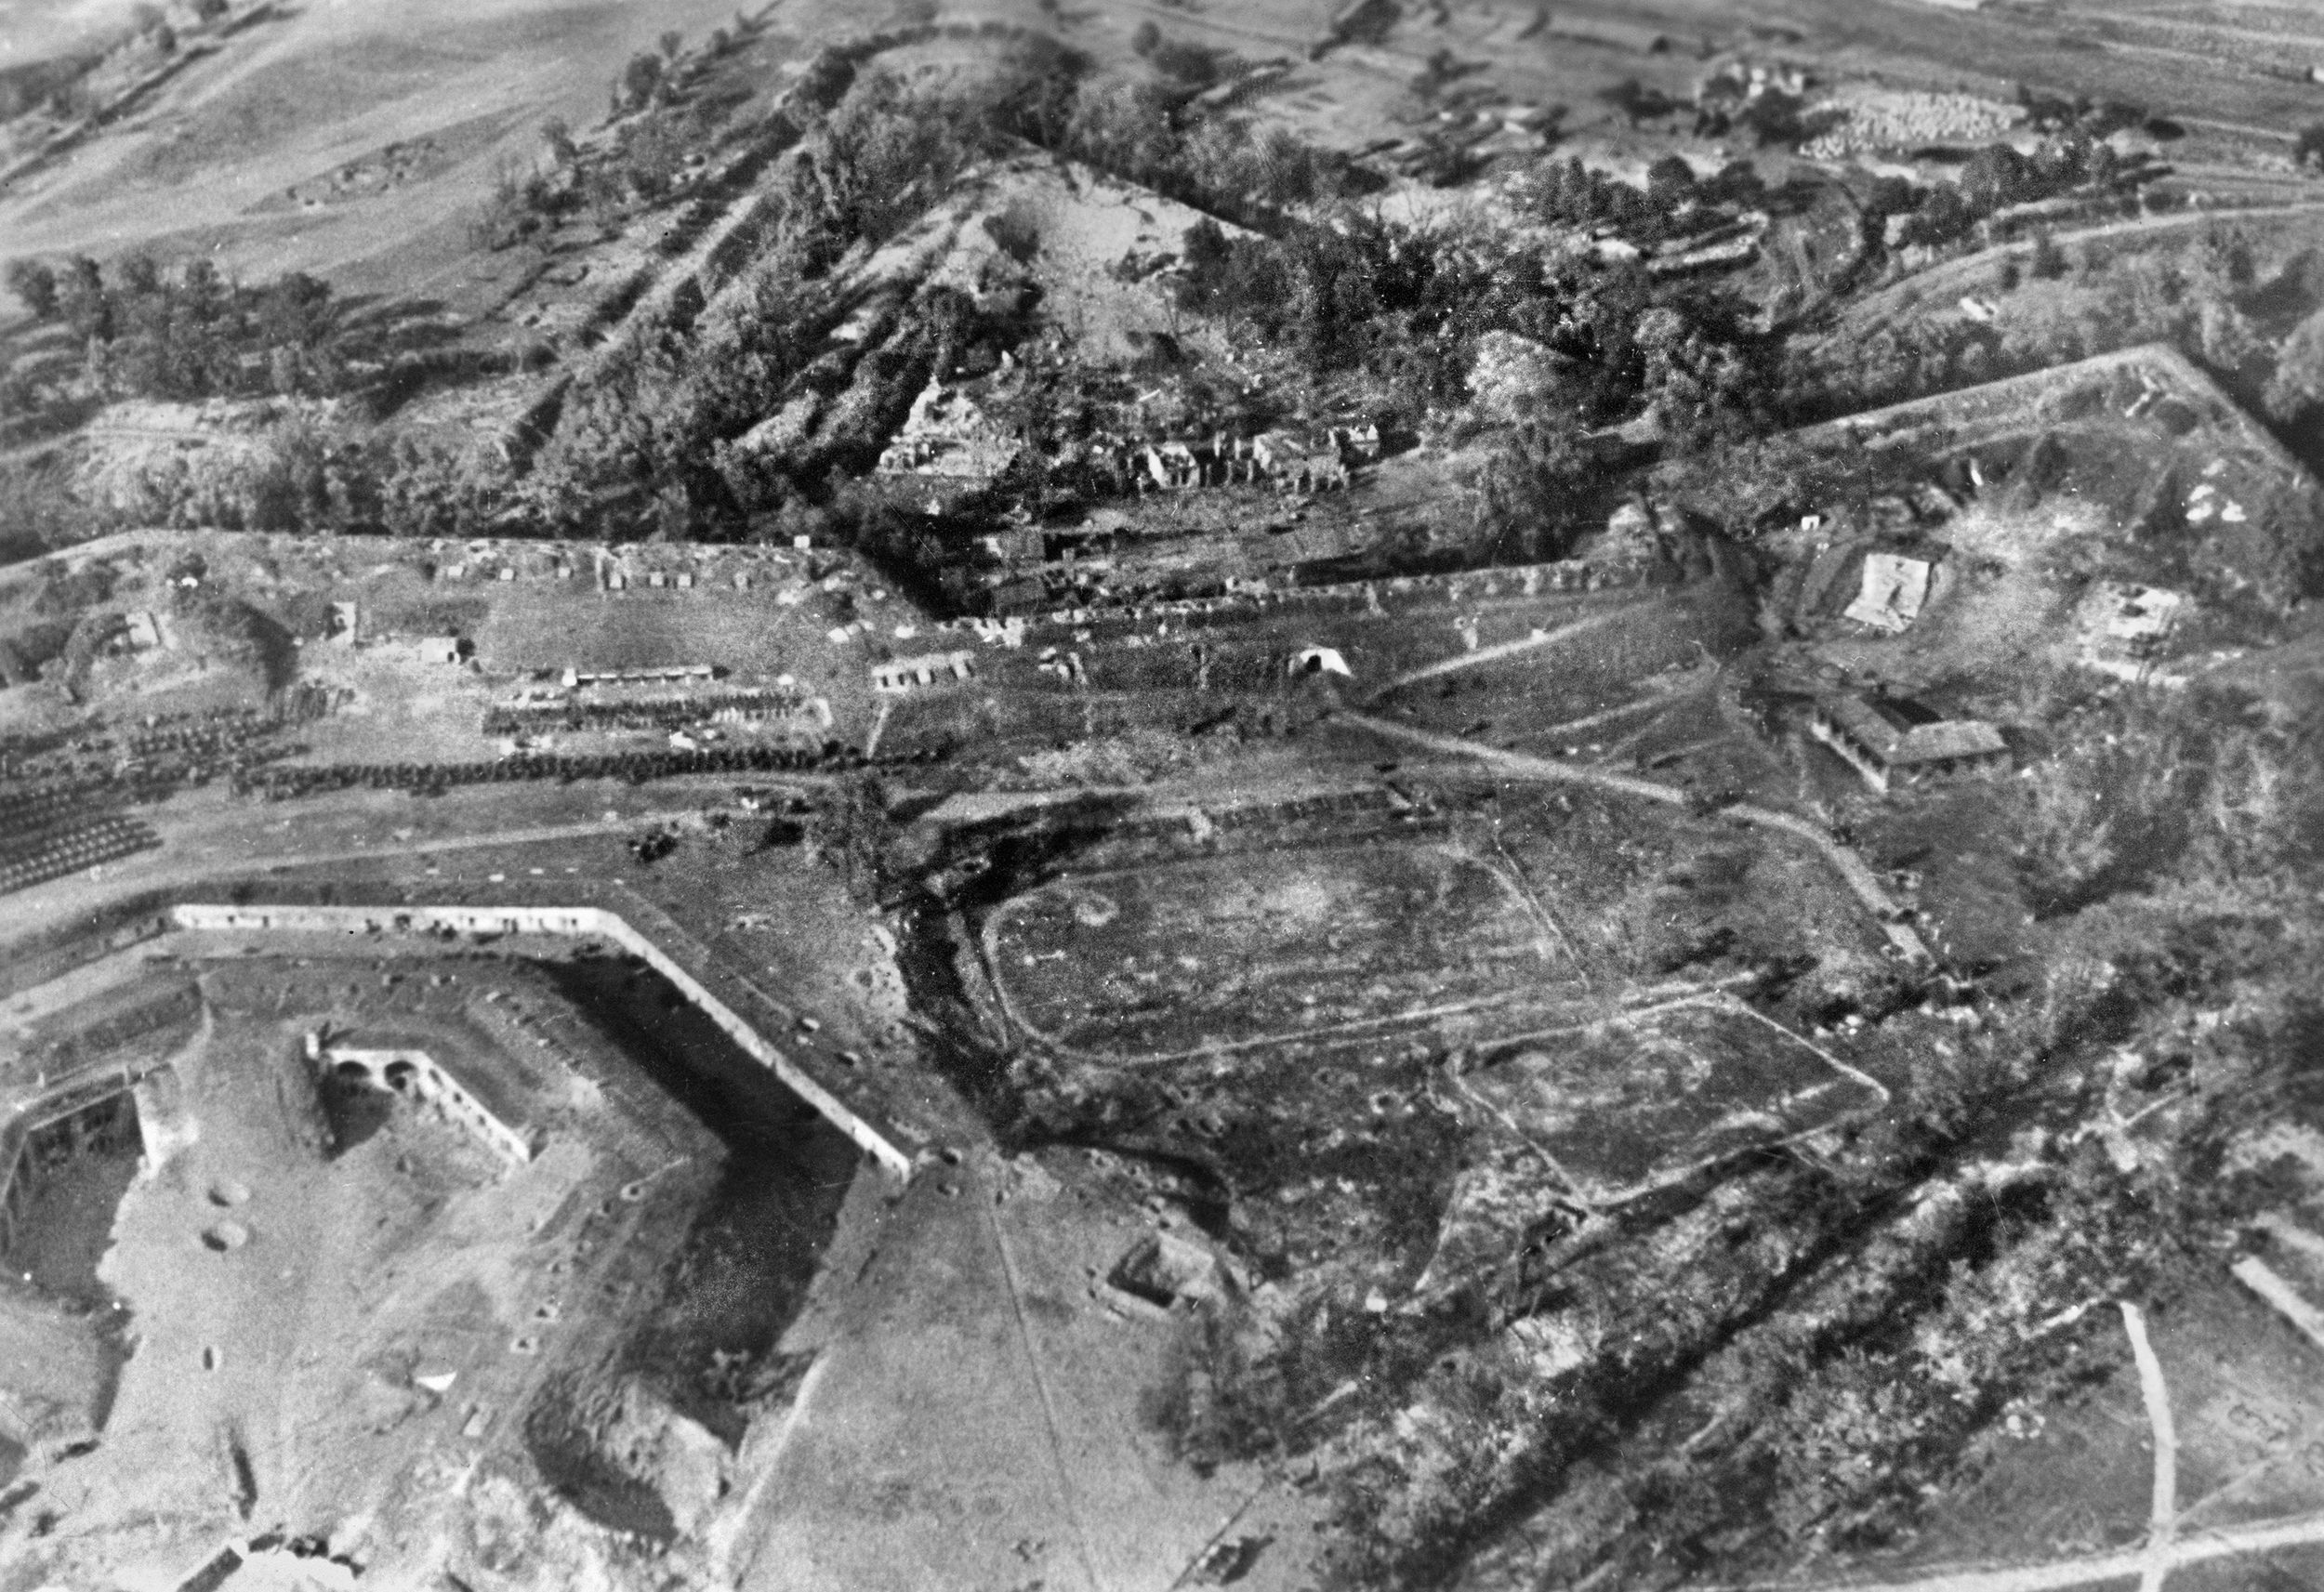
{"x":1648,"y":1099}
{"x":289,"y":101}
{"x":1291,"y":942}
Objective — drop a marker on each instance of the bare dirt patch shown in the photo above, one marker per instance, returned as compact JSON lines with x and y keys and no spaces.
{"x":1138,"y":966}
{"x":1625,"y":1105}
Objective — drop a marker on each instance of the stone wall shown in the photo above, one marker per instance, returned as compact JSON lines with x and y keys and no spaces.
{"x":668,"y":951}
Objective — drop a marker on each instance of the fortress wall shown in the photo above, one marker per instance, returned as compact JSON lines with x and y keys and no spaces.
{"x":1396,"y":594}
{"x":53,"y":952}
{"x":585,"y":922}
{"x":438,"y":1086}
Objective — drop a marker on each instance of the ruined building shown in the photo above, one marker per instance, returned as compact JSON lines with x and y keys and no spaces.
{"x":948,"y":436}
{"x":1891,"y":741}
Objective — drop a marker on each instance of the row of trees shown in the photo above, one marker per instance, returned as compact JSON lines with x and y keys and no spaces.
{"x":1998,"y":177}
{"x":646,"y":445}
{"x":652,"y":439}
{"x":1140,"y":132}
{"x":189,"y":334}
{"x":73,"y":85}
{"x":2203,"y":296}
{"x":1672,"y":202}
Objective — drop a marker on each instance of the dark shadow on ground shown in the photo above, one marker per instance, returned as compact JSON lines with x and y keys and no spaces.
{"x":744,"y":1272}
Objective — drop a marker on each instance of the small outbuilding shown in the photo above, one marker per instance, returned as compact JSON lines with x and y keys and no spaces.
{"x":1895,"y":588}
{"x":899,"y":675}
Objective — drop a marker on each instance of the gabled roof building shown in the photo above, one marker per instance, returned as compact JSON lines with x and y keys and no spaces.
{"x":1891,"y":741}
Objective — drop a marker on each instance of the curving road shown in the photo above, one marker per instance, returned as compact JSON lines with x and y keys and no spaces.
{"x":1861,"y":881}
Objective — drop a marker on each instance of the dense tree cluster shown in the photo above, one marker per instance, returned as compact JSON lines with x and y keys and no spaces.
{"x":190,"y":333}
{"x":1410,"y":307}
{"x":1138,"y":132}
{"x":652,"y":440}
{"x":1998,"y":177}
{"x":1410,"y":303}
{"x":1673,"y":201}
{"x":73,"y":84}
{"x":2202,"y":296}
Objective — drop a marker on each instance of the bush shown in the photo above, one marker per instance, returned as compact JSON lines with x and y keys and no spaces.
{"x":639,"y":81}
{"x":2048,"y":261}
{"x":1016,"y":231}
{"x":34,"y":286}
{"x":1669,"y":182}
{"x":1190,"y":64}
{"x":1529,"y":490}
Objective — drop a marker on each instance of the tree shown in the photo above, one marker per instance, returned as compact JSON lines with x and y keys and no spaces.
{"x":2049,"y":260}
{"x":1636,"y":102}
{"x":640,"y":78}
{"x":2309,"y":150}
{"x":1147,"y":37}
{"x":558,"y":134}
{"x":1702,"y":389}
{"x":1017,"y":232}
{"x":34,"y":286}
{"x":2298,"y":383}
{"x":849,"y":833}
{"x":1996,"y":174}
{"x":1776,"y":117}
{"x":140,"y":277}
{"x":1942,"y":218}
{"x":81,"y":299}
{"x":670,"y":41}
{"x":1669,"y":182}
{"x":1205,"y":250}
{"x":1527,"y":495}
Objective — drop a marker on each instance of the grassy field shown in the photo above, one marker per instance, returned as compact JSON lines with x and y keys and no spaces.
{"x":289,"y":101}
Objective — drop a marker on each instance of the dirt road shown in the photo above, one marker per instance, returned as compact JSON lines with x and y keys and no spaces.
{"x":1494,"y":654}
{"x":1973,"y":271}
{"x":1861,"y":879}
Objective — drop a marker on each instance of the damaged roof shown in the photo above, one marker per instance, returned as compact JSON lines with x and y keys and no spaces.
{"x":1899,"y":735}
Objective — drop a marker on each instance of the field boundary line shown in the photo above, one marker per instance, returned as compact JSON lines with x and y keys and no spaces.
{"x":1713,"y":999}
{"x":988,"y":947}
